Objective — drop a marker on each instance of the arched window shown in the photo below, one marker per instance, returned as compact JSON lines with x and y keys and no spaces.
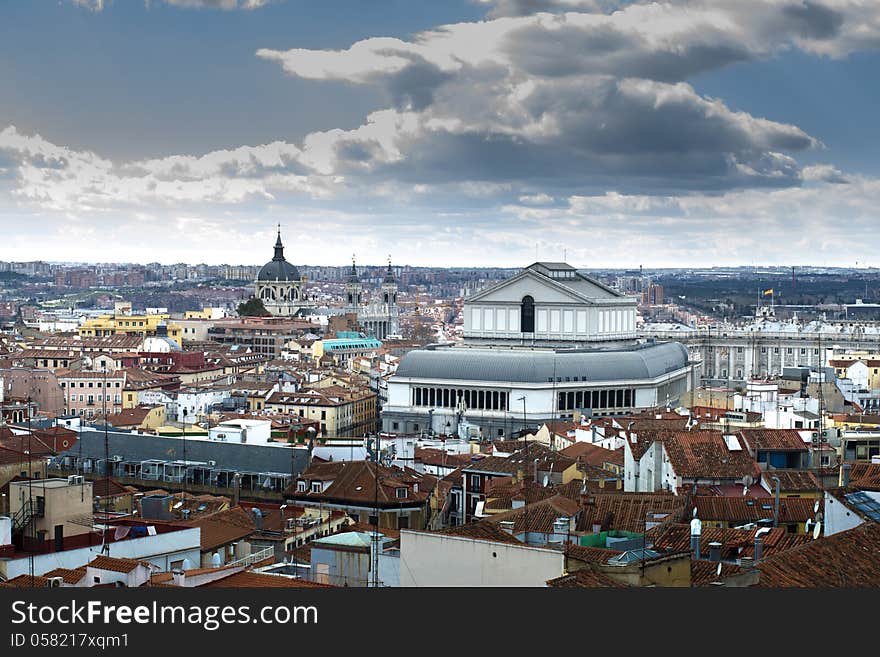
{"x":527,"y":315}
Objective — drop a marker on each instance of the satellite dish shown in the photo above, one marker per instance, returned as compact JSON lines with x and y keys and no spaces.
{"x":807,"y":525}
{"x":546,"y":480}
{"x":178,"y":505}
{"x":718,"y":570}
{"x":694,"y":514}
{"x":816,"y":507}
{"x":817,"y":530}
{"x":745,"y":490}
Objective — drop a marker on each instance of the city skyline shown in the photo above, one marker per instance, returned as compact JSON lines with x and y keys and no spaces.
{"x":481,"y":133}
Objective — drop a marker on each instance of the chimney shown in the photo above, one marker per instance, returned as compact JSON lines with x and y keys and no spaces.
{"x":178,"y":577}
{"x":714,"y":551}
{"x":759,"y":548}
{"x":258,"y":518}
{"x":844,"y":474}
{"x":506,"y":526}
{"x":696,"y":532}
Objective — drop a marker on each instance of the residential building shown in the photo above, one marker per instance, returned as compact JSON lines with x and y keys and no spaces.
{"x":401,"y":497}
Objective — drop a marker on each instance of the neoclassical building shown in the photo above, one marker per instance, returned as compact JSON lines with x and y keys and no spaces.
{"x":279,"y":285}
{"x":379,"y":314}
{"x":542,"y":345}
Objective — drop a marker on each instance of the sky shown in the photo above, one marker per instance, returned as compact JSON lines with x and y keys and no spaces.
{"x":607,"y":133}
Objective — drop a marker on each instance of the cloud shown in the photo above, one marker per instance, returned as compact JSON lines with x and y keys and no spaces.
{"x":228,"y":5}
{"x":583,"y":99}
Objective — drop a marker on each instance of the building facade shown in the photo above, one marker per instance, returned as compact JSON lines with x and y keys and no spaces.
{"x":379,"y":314}
{"x":279,"y":285}
{"x":544,"y":345}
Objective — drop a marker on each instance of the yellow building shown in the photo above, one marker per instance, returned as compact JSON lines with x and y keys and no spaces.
{"x":340,"y":412}
{"x":127,"y":324}
{"x":841,"y":363}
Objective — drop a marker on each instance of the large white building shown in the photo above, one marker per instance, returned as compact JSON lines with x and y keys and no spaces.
{"x":543,"y":345}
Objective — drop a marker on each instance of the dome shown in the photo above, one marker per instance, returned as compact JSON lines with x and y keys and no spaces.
{"x":278,"y":269}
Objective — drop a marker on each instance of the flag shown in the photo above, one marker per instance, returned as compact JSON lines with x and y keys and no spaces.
{"x":770,"y":291}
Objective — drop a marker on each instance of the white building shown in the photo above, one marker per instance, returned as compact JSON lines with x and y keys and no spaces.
{"x":257,"y":432}
{"x":543,"y":345}
{"x":446,"y":560}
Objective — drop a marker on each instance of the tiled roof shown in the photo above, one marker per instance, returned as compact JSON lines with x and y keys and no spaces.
{"x":116,"y":564}
{"x":224,"y":527}
{"x":26,"y":582}
{"x":590,"y":554}
{"x":439,"y":457}
{"x":524,"y":460}
{"x":848,"y":559}
{"x":250,"y":579}
{"x":539,"y":516}
{"x":703,"y":573}
{"x":71,"y":576}
{"x":774,"y":440}
{"x":792,"y":481}
{"x":585,"y":578}
{"x":736,"y":543}
{"x":354,"y":482}
{"x":108,"y":488}
{"x":744,"y":510}
{"x":130,"y":417}
{"x":705,"y":455}
{"x":593,"y":454}
{"x":482,"y":530}
{"x":628,"y":511}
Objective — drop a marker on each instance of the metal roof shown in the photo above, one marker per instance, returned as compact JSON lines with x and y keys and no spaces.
{"x":533,"y":366}
{"x":228,"y":456}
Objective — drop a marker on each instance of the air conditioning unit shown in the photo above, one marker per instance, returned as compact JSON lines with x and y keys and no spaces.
{"x":117,"y":459}
{"x":73,"y":480}
{"x":55,"y":582}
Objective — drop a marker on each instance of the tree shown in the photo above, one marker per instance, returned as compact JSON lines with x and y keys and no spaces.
{"x":253,"y":307}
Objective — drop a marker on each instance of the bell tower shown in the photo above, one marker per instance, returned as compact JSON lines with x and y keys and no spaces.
{"x":353,"y":291}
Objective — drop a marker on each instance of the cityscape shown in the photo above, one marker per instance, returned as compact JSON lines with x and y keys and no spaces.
{"x":488,"y":293}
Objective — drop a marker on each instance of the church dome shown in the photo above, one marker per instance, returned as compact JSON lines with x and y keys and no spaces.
{"x":278,"y":269}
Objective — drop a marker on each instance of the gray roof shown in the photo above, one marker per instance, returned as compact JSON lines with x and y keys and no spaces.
{"x":229,"y":456}
{"x":278,"y":269}
{"x":532,"y":366}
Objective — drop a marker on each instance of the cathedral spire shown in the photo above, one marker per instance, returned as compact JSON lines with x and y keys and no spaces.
{"x":279,"y":247}
{"x":389,"y":273}
{"x":353,"y":275}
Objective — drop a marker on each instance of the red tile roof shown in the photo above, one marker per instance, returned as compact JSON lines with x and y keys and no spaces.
{"x":539,"y":516}
{"x":847,"y":560}
{"x":593,"y":454}
{"x":779,"y":440}
{"x":116,"y":564}
{"x":354,"y":482}
{"x":628,"y":511}
{"x":70,"y":576}
{"x":745,"y":510}
{"x":223,"y":527}
{"x":705,"y":455}
{"x":585,"y":578}
{"x":250,"y":579}
{"x":736,"y":543}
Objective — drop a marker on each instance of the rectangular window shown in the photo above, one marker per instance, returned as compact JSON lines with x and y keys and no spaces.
{"x":316,"y":487}
{"x":475,"y":481}
{"x":302,"y":486}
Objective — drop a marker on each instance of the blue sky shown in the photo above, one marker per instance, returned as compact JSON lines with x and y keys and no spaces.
{"x":461,"y":133}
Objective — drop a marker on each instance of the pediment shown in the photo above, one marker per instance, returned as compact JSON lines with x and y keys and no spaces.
{"x":528,"y":283}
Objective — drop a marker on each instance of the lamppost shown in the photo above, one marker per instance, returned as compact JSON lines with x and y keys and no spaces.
{"x":184,"y":452}
{"x":283,"y":530}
